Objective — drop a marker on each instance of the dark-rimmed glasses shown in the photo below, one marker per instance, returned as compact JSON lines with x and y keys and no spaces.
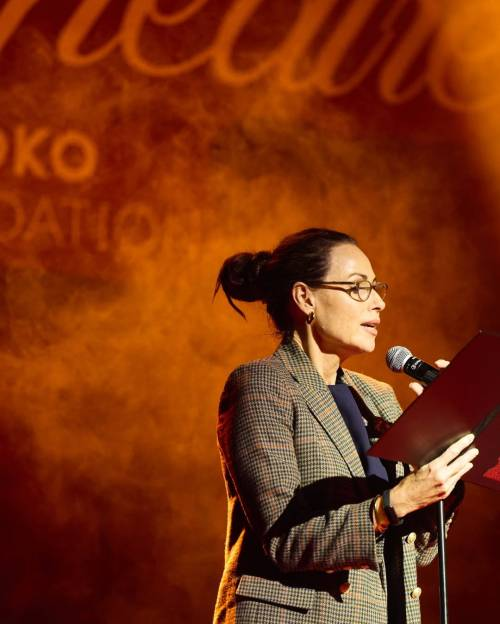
{"x":359,"y":291}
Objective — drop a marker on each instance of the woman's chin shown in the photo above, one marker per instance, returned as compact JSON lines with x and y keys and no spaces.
{"x":366,"y":345}
{"x":362,"y":344}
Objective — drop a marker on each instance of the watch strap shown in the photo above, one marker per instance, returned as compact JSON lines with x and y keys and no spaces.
{"x":389,"y":510}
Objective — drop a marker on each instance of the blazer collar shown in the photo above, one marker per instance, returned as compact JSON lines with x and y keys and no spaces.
{"x":320,"y":401}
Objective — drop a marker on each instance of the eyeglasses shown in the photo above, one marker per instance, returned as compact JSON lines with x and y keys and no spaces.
{"x":360,"y":291}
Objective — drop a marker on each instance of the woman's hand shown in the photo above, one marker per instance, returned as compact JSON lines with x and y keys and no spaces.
{"x":434,"y":481}
{"x":418,"y":388}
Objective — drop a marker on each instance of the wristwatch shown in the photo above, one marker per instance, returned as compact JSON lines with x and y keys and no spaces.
{"x":389,"y":511}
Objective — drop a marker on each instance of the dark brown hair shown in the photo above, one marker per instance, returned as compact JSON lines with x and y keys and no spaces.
{"x":269,"y":276}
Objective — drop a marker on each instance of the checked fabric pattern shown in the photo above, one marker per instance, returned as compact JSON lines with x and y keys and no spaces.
{"x":300,"y":545}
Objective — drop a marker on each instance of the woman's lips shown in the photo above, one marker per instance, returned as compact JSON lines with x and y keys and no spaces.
{"x":370,"y":328}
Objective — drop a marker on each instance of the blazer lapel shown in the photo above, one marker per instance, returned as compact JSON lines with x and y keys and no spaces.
{"x":367,"y":399}
{"x":320,"y":401}
{"x":376,"y":425}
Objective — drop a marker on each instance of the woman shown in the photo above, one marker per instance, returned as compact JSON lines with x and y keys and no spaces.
{"x":317,"y":530}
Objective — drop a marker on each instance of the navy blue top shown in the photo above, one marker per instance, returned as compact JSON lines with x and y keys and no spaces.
{"x":354,"y":420}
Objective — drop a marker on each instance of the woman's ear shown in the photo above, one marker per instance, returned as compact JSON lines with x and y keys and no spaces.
{"x":303,"y":297}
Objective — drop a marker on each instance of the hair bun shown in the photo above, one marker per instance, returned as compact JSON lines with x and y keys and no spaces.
{"x":241,"y":277}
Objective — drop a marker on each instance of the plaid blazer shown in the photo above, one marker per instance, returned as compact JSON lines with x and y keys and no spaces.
{"x":300,"y":544}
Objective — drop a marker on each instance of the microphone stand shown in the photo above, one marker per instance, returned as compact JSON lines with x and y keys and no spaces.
{"x":443,"y":592}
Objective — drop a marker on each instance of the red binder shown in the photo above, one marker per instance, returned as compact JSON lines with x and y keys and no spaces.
{"x":465,"y":398}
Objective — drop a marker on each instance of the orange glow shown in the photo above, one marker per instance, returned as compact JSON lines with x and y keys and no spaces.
{"x":137,"y":151}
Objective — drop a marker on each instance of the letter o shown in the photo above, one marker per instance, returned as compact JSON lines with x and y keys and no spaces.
{"x":19,"y":221}
{"x":68,"y":171}
{"x":129,"y":219}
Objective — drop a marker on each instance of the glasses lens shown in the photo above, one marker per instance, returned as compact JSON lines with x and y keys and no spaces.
{"x":381,"y":288}
{"x":362,"y":290}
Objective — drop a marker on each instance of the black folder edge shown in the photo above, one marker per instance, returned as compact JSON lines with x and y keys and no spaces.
{"x":388,"y":446}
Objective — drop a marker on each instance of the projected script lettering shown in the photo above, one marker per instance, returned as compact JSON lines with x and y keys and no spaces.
{"x":390,"y":57}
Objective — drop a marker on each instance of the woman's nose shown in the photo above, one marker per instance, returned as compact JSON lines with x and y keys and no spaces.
{"x":377,"y":302}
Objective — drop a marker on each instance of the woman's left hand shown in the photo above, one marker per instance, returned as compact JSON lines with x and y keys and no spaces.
{"x":417,"y":387}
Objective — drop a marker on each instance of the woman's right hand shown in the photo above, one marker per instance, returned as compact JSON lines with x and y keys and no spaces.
{"x":434,"y":481}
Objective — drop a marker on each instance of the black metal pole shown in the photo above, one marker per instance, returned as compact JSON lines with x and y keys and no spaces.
{"x":443,"y":594}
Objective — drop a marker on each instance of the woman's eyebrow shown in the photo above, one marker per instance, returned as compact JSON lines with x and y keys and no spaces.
{"x":360,"y":275}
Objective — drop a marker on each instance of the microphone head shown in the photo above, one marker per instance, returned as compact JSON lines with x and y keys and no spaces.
{"x":396,"y":358}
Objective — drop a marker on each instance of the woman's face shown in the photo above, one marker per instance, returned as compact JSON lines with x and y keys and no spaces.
{"x":342,"y":324}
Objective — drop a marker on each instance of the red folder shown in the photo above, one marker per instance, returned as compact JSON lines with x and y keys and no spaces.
{"x":465,"y":398}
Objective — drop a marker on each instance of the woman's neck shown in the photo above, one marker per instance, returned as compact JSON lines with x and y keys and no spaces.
{"x":327,"y":364}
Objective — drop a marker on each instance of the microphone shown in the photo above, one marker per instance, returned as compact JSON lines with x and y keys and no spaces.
{"x":401,"y":359}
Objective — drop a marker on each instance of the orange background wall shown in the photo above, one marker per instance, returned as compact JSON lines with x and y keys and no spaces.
{"x":142,"y":143}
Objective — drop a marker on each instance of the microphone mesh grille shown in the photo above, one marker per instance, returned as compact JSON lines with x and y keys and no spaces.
{"x":396,"y":357}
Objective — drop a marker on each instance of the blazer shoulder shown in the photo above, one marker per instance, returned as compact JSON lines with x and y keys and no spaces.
{"x":268,"y":372}
{"x":257,"y":382}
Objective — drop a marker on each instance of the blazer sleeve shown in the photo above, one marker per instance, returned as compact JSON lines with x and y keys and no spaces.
{"x":256,"y":441}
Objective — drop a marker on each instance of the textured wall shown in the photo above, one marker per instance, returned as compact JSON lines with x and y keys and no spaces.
{"x":140,"y":144}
